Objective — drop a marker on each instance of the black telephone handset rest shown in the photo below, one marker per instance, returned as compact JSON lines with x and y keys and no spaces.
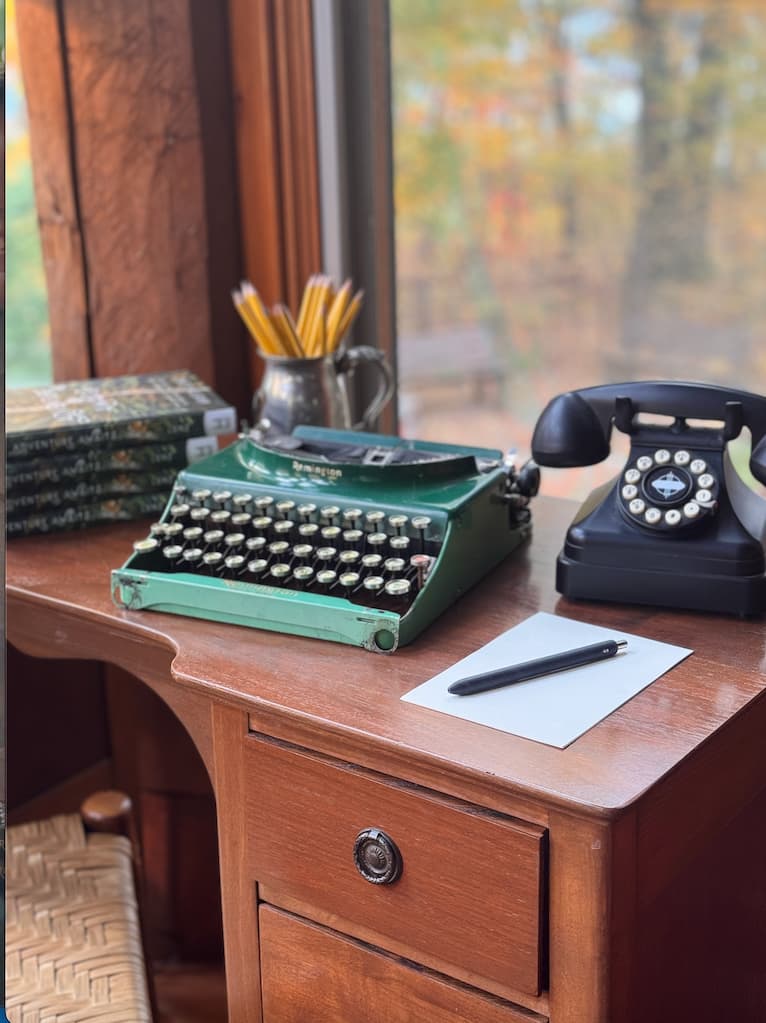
{"x":575,"y":428}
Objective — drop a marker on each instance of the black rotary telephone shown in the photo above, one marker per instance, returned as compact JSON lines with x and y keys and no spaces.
{"x":678,"y":527}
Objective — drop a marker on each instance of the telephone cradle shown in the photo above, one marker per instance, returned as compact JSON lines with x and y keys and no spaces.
{"x":359,"y":538}
{"x":678,"y":527}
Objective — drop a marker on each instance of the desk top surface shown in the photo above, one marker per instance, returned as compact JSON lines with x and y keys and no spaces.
{"x":351,"y":697}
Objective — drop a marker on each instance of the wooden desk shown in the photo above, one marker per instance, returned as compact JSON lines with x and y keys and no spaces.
{"x":621,"y":879}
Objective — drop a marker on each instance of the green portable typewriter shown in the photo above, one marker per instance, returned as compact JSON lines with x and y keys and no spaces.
{"x":359,"y":538}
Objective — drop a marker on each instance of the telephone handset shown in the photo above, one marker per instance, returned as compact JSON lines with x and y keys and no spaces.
{"x":678,"y":527}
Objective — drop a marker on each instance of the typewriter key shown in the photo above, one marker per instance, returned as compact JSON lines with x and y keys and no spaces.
{"x":372,"y":561}
{"x":212,"y":560}
{"x":352,"y":516}
{"x":241,"y":501}
{"x":220,"y":517}
{"x":263,"y":502}
{"x":421,"y":523}
{"x":255,"y":543}
{"x":303,"y":574}
{"x":192,"y":534}
{"x":398,"y":522}
{"x":327,"y":578}
{"x":353,"y":537}
{"x":278,"y":548}
{"x":157,"y":529}
{"x":374,"y":518}
{"x":398,"y":587}
{"x":241,"y":520}
{"x":261,"y":523}
{"x":179,"y":489}
{"x":349,"y":580}
{"x":257,"y":566}
{"x":303,"y":551}
{"x":400,"y":543}
{"x":172,"y":552}
{"x":279,"y":571}
{"x":331,"y":533}
{"x":306,"y":511}
{"x":394,"y":565}
{"x":199,"y":514}
{"x":373,"y":583}
{"x":308,"y":529}
{"x":200,"y":496}
{"x":191,"y":556}
{"x":349,"y":557}
{"x":234,"y":540}
{"x":285,"y":507}
{"x":222,"y":497}
{"x":329,"y":513}
{"x":377,"y":539}
{"x":283,"y":527}
{"x":326,"y":553}
{"x":173,"y":530}
{"x":179,"y":511}
{"x":422,"y":565}
{"x":213,"y":536}
{"x":146,"y":546}
{"x":235,"y":562}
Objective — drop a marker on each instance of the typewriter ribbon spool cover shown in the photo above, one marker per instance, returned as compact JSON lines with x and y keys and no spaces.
{"x":357,"y":538}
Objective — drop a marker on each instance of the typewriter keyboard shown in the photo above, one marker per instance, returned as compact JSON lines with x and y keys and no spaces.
{"x":376,"y":557}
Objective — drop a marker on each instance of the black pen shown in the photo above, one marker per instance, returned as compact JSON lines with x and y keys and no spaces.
{"x":534,"y":669}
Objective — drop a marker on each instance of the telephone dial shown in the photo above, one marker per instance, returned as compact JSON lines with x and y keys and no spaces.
{"x":678,"y":527}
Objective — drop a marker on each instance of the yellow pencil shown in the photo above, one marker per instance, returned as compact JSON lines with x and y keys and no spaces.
{"x":335,"y":315}
{"x":267,"y":332}
{"x":281,"y":314}
{"x":350,"y":315}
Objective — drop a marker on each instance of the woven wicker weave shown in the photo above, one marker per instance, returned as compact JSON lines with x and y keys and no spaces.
{"x":73,"y":944}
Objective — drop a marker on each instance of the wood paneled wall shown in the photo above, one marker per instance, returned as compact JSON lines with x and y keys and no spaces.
{"x":131,"y":130}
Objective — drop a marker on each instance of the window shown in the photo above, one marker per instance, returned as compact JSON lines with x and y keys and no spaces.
{"x":579,"y":196}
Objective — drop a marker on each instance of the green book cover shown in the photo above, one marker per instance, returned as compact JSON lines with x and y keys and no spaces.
{"x":85,"y":491}
{"x":114,"y":509}
{"x":85,"y":414}
{"x":29,"y":475}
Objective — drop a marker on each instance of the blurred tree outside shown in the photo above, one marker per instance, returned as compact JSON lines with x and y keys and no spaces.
{"x":586,"y":183}
{"x":27,"y":332}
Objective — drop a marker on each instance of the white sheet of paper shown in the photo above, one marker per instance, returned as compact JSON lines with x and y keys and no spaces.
{"x":554,"y":709}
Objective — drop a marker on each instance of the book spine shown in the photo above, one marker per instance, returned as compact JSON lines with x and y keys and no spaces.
{"x":174,"y":426}
{"x":86,"y":491}
{"x":28,"y":475}
{"x":122,"y":509}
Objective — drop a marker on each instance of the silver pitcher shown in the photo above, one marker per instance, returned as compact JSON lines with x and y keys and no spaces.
{"x":313,"y":392}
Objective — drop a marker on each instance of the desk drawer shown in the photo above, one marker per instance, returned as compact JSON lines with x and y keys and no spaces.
{"x":312,"y":975}
{"x":468,"y":899}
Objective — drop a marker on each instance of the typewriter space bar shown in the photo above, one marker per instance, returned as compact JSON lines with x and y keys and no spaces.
{"x":263,"y":607}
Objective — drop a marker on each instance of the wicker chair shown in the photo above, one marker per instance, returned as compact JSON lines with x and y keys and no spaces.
{"x":73,"y":937}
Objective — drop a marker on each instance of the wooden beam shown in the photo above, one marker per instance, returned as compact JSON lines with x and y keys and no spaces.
{"x":273,"y":75}
{"x":140,"y":218}
{"x":43,"y":63}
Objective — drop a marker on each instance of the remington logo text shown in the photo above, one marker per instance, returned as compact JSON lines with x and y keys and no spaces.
{"x":328,"y":471}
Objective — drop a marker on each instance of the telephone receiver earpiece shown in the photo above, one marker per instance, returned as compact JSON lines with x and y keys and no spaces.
{"x":575,"y":428}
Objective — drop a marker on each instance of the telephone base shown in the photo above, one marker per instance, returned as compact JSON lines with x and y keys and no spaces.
{"x":744,"y":596}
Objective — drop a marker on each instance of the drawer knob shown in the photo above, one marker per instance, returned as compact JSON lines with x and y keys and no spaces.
{"x":377,"y":857}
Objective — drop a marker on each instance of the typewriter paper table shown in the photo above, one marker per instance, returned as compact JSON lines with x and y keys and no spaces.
{"x":620,"y":879}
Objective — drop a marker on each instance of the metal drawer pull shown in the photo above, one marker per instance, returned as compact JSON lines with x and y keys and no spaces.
{"x":377,"y":857}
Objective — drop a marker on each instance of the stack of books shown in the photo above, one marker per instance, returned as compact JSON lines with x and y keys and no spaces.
{"x":94,"y":451}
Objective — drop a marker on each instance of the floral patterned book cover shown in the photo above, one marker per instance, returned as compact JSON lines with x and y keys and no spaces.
{"x":114,"y":509}
{"x":25,"y":476}
{"x":84,"y":414}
